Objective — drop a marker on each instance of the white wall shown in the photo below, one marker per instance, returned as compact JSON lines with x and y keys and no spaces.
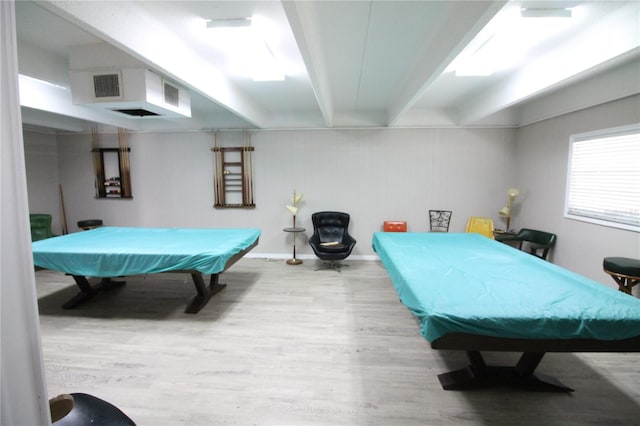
{"x":41,"y":161}
{"x":375,"y":175}
{"x":542,"y":158}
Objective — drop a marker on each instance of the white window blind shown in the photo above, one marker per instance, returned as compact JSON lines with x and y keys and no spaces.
{"x":604,"y":178}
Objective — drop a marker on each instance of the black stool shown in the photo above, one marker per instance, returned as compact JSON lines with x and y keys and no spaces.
{"x":89,"y":224}
{"x":624,"y":271}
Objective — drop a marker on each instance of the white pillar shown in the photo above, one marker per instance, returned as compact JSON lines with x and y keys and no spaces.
{"x":23,"y":388}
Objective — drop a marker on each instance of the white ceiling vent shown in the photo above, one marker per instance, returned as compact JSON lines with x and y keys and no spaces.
{"x":171,"y":94}
{"x":134,"y":92}
{"x":106,"y":86}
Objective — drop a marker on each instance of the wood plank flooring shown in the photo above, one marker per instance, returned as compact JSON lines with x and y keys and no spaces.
{"x":289,"y":345}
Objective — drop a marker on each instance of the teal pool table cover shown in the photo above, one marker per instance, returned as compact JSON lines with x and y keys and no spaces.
{"x":114,"y":251}
{"x":468,"y":283}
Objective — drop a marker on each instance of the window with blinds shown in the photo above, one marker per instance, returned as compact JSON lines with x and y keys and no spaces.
{"x":603,"y":183}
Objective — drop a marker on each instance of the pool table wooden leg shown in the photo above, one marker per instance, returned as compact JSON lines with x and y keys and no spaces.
{"x":204,"y":293}
{"x":87,"y":291}
{"x":478,"y":375}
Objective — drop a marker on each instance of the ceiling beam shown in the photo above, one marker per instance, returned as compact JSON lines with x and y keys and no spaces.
{"x":126,"y":26}
{"x":449,"y":40}
{"x":611,"y":37}
{"x":48,"y":122}
{"x":619,"y":82}
{"x":307,"y":35}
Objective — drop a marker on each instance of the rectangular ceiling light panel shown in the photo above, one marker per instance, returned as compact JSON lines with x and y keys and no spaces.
{"x":247,"y":51}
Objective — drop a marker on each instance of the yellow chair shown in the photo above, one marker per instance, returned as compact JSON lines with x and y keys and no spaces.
{"x":481,"y":225}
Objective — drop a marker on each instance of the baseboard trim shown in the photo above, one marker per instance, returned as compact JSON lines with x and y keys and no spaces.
{"x":363,"y":257}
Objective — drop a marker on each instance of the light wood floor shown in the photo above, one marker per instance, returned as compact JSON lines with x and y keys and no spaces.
{"x":288,"y":345}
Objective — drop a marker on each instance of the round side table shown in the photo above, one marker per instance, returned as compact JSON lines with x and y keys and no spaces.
{"x":294,"y":230}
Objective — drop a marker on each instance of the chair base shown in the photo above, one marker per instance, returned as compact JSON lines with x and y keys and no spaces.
{"x":333,"y":265}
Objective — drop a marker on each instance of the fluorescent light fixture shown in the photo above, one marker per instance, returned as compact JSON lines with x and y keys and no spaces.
{"x":545,"y":13}
{"x":229,"y":23}
{"x":248,"y":52}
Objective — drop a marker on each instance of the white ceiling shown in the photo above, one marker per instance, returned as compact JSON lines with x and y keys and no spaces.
{"x":348,"y":63}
